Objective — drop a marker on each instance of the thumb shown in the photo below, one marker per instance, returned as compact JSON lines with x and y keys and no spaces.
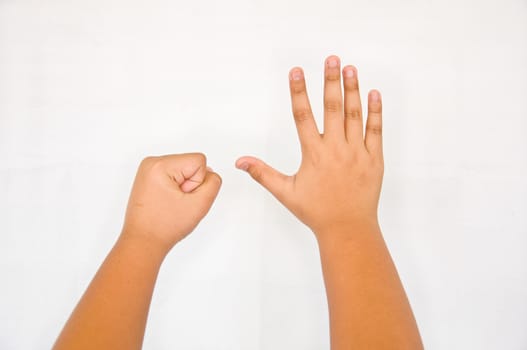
{"x":273,"y":180}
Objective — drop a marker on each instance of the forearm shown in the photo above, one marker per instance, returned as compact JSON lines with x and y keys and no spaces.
{"x":113,"y":311}
{"x":170,"y":195}
{"x":367,"y":303}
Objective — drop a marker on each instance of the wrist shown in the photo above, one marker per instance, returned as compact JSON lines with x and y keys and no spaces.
{"x":148,"y":246}
{"x":348,"y":232}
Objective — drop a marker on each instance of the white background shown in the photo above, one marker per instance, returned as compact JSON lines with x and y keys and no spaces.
{"x":88,"y":88}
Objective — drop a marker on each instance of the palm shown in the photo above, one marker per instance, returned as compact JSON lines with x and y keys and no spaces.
{"x":341,"y":171}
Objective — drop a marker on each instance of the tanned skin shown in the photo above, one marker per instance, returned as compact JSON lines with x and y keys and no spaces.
{"x":336,"y":193}
{"x":170,"y":195}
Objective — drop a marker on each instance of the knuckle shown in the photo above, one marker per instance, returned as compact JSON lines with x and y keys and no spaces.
{"x":148,"y":161}
{"x":351,"y":84}
{"x":200,"y":156}
{"x":374,"y":129}
{"x":302,"y":114}
{"x":150,"y":164}
{"x":218,"y":178}
{"x":298,"y":88}
{"x":333,"y":106}
{"x":354,"y":114}
{"x":333,"y":76}
{"x":375,"y":108}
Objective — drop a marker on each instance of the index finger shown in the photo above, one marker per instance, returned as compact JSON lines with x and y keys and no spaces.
{"x":305,"y":123}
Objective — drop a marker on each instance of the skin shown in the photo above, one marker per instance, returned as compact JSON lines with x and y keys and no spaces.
{"x":336,"y":193}
{"x":170,"y":195}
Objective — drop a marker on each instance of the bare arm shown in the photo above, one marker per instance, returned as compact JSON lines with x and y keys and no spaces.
{"x":170,"y":196}
{"x":367,"y":303}
{"x":336,"y":192}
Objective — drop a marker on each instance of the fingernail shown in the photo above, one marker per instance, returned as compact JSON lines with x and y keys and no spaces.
{"x":209,"y":169}
{"x":375,"y":96}
{"x":296,"y":74}
{"x":244,"y":166}
{"x":349,"y":73}
{"x":333,"y":62}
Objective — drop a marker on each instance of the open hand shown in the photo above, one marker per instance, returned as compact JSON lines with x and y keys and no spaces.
{"x":339,"y":180}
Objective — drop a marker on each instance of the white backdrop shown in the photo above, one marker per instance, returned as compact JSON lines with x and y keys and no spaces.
{"x":88,"y":88}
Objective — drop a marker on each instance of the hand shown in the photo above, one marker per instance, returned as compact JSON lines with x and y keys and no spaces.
{"x":170,"y":195}
{"x":339,"y":180}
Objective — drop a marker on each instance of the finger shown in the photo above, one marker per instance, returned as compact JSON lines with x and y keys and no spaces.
{"x":373,"y":138}
{"x":333,"y":116}
{"x":208,"y":189}
{"x":352,"y":106}
{"x":188,"y":169}
{"x":194,"y":180}
{"x":305,"y":123}
{"x":273,"y":180}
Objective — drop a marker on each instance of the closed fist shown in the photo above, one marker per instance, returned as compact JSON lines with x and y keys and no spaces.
{"x":170,"y":195}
